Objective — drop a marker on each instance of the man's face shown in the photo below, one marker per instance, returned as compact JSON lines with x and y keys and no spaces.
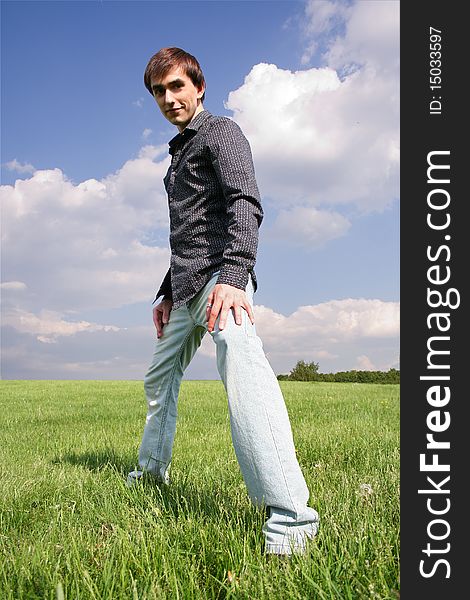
{"x":177,"y":97}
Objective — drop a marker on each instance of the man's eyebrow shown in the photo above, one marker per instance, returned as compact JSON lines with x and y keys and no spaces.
{"x":159,"y":86}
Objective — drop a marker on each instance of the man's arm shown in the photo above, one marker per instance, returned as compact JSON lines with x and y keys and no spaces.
{"x":233,"y":163}
{"x":161,"y":315}
{"x":165,"y":287}
{"x":161,"y":310}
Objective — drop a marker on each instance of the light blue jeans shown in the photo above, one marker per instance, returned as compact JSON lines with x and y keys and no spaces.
{"x":260,"y":426}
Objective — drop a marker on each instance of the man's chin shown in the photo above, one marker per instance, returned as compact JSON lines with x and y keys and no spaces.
{"x":176,"y":118}
{"x":180,"y":122}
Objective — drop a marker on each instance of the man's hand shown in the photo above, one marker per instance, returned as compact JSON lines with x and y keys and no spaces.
{"x":223,"y":298}
{"x":161,"y":315}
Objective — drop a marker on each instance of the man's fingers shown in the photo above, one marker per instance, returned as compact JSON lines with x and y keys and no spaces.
{"x":157,"y":320}
{"x":166,"y":315}
{"x":221,"y":300}
{"x":237,"y":312}
{"x":161,"y":315}
{"x":226,"y":306}
{"x":210,"y":300}
{"x":213,"y":314}
{"x":212,"y":319}
{"x":159,"y":324}
{"x":249,"y":310}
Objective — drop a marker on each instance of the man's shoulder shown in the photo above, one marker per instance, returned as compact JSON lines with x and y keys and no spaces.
{"x":219,"y":119}
{"x":218,"y":125}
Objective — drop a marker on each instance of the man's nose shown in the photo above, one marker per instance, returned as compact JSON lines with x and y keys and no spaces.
{"x":169,"y":98}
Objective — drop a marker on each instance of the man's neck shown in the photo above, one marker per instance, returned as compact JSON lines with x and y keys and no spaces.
{"x":198,"y":110}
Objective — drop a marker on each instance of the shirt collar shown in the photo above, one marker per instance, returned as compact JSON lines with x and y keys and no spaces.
{"x":191,"y":128}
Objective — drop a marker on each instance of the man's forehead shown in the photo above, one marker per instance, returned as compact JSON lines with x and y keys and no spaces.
{"x":172,"y":75}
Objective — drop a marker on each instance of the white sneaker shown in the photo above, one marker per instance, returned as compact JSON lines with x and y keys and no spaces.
{"x":136,"y":477}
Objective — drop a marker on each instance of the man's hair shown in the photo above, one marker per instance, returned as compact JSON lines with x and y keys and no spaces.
{"x":168,"y":58}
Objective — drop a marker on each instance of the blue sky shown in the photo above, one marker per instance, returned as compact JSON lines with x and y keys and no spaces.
{"x":84,"y":218}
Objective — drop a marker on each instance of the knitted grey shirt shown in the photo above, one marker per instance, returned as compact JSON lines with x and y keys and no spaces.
{"x":215,"y":208}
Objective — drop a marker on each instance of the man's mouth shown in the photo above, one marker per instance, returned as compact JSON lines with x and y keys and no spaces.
{"x":174,"y":110}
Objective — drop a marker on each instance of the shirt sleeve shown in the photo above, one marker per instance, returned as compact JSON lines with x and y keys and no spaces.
{"x":232,"y":160}
{"x":165,"y":288}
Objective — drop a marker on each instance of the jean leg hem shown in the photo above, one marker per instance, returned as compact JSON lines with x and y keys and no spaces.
{"x":284,"y":549}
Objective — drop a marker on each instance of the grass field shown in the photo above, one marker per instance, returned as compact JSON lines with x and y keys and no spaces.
{"x":70,"y":528}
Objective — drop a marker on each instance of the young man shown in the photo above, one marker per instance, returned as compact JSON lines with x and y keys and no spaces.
{"x":215,"y":213}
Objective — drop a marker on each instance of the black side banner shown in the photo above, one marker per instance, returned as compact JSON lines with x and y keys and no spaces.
{"x":435,"y":435}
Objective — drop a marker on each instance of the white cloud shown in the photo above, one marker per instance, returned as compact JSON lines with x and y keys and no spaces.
{"x":319,"y":140}
{"x":371,"y":38}
{"x":365,"y":364}
{"x":152,"y":152}
{"x":88,"y":245}
{"x":22,"y":168}
{"x":320,"y":18}
{"x":138,"y":103}
{"x":323,"y":15}
{"x":329,"y":136}
{"x":13,"y":286}
{"x":94,"y":352}
{"x":339,"y":335}
{"x":308,"y":226}
{"x":332,"y":332}
{"x":146,"y":133}
{"x":336,"y":320}
{"x":48,"y":326}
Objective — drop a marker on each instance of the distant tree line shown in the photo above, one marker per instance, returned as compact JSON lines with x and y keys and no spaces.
{"x":304,"y":371}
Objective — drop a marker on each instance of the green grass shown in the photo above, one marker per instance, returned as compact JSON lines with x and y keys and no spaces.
{"x":70,"y":528}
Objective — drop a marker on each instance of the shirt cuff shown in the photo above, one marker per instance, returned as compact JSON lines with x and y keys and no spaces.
{"x":161,"y":297}
{"x":235,"y":276}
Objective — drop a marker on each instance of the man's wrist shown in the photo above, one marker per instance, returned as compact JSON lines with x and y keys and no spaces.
{"x":157,"y":300}
{"x":234,"y":276}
